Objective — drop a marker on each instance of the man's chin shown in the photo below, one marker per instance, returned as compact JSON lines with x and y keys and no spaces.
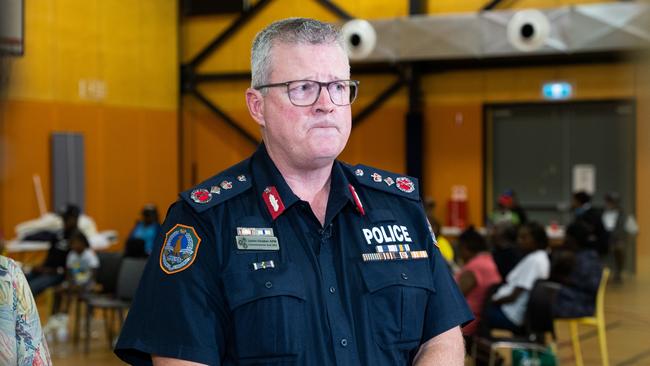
{"x":321,"y":158}
{"x":326,"y":148}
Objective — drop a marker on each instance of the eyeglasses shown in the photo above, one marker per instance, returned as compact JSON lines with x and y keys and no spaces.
{"x":304,"y":93}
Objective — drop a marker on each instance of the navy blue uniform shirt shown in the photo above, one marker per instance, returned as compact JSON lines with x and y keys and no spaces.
{"x":244,"y":273}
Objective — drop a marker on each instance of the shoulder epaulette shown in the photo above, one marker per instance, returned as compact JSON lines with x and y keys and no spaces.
{"x":220,"y":188}
{"x":386,"y":181}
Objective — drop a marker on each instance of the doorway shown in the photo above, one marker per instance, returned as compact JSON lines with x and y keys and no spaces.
{"x":546,"y":151}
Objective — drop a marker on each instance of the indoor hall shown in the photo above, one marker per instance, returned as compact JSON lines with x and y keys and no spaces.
{"x":492,"y":118}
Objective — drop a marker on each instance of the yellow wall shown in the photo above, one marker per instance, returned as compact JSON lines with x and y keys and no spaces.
{"x":130,"y":129}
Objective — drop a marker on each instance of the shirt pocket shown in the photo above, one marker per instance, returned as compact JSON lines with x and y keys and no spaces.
{"x":268,"y":310}
{"x":397,"y":297}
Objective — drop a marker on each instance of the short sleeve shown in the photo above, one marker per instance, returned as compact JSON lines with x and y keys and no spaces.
{"x":91,"y":259}
{"x":178,"y":311}
{"x":446,"y":307}
{"x":69,"y":259}
{"x":532,"y":268}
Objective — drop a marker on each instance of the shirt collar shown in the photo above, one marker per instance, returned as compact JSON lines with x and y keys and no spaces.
{"x":267,"y":175}
{"x":340,"y":192}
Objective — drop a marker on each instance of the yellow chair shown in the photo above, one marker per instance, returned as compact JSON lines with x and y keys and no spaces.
{"x":598,"y":321}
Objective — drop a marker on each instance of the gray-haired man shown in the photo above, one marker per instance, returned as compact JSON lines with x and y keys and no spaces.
{"x":292,"y":257}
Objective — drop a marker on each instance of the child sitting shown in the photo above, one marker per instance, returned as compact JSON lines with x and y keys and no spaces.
{"x":81,"y":264}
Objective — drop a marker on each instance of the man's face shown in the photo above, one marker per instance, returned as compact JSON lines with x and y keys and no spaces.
{"x":313,"y":136}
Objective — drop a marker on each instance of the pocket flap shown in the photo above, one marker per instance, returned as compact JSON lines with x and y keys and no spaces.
{"x":410,"y":273}
{"x":245,"y":286}
{"x":380,"y":215}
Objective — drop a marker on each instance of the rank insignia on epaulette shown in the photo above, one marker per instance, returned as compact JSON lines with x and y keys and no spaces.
{"x":241,"y":178}
{"x":358,"y":173}
{"x":226,"y":184}
{"x":201,"y":195}
{"x":180,"y":248}
{"x":404,"y":184}
{"x":389,"y":181}
{"x":215,"y":190}
{"x":376,"y":177}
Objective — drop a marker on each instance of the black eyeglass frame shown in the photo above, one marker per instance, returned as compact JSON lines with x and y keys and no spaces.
{"x":326,"y":84}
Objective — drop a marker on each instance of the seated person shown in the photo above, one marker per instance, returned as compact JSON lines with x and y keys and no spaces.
{"x":508,"y":306}
{"x":503,"y":244}
{"x":504,"y":213}
{"x":575,"y":276}
{"x":81,"y":264}
{"x":444,"y":245}
{"x":142,"y":237}
{"x":477,"y":275}
{"x":516,"y":206}
{"x":22,"y":341}
{"x":52,"y":271}
{"x":577,"y":295}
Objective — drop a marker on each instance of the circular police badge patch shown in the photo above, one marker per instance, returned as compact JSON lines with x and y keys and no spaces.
{"x":180,"y":248}
{"x":404,"y":184}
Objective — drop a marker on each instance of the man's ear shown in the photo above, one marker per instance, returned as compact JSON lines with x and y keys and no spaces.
{"x":255,"y":104}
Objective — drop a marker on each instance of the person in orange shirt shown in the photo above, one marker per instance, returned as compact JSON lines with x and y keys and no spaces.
{"x":477,"y":275}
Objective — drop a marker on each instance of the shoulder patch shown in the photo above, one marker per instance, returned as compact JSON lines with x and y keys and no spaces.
{"x":219,"y":188}
{"x":386,"y":181}
{"x":180,"y":249}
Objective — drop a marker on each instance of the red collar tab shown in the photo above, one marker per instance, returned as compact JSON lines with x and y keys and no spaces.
{"x":273,"y":201}
{"x":357,"y":201}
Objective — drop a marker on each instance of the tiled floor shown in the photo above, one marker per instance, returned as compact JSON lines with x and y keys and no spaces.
{"x":628,"y":333}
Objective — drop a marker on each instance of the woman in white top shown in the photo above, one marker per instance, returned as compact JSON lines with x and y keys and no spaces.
{"x":508,"y":306}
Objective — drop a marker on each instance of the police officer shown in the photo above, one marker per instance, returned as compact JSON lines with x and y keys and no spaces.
{"x":292,"y":257}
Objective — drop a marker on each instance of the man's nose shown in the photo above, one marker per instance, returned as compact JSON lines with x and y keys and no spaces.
{"x":324,"y":101}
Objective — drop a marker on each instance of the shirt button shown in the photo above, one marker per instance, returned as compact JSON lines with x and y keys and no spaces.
{"x":268,"y":284}
{"x":344,"y":342}
{"x":332,"y":290}
{"x":404,"y":276}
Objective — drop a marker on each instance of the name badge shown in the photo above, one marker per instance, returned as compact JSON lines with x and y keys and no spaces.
{"x":257,"y":242}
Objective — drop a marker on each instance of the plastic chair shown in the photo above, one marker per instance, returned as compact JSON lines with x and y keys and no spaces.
{"x":127,"y":285}
{"x":598,"y":321}
{"x":105,"y":278}
{"x":529,"y":339}
{"x":511,"y":343}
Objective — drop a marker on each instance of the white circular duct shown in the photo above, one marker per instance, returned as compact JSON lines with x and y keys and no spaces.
{"x":528,"y":30}
{"x":359,"y":38}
